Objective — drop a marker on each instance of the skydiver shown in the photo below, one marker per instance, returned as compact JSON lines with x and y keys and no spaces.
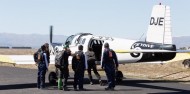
{"x":42,"y":67}
{"x":92,"y":65}
{"x":109,"y":64}
{"x":64,"y":70}
{"x":78,"y":66}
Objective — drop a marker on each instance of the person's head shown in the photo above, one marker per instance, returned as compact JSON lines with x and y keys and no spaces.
{"x":80,"y":47}
{"x":46,"y":46}
{"x":90,"y":49}
{"x":66,"y":47}
{"x":43,"y":48}
{"x":106,"y":45}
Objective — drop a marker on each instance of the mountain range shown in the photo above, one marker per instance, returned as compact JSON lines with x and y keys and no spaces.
{"x":28,"y":40}
{"x":36,"y":40}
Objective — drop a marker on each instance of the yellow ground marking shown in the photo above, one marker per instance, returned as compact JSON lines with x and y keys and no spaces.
{"x":6,"y":59}
{"x":180,"y":56}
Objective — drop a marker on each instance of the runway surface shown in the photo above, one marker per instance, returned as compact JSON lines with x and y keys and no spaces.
{"x":23,"y":81}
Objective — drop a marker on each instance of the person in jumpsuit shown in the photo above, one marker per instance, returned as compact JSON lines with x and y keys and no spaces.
{"x":110,"y":65}
{"x":64,"y":70}
{"x":42,"y":67}
{"x":78,"y":66}
{"x":92,"y":65}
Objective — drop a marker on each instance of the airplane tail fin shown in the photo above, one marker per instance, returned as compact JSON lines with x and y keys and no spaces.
{"x":159,"y":30}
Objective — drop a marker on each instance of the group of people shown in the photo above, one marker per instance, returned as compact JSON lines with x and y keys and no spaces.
{"x":109,"y":64}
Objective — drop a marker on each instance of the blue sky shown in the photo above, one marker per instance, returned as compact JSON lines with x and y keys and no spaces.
{"x":118,"y":18}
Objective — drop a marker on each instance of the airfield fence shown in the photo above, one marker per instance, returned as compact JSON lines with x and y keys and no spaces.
{"x":6,"y":47}
{"x":21,"y":47}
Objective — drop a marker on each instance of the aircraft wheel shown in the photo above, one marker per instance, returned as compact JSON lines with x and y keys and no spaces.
{"x":119,"y":76}
{"x":52,"y":78}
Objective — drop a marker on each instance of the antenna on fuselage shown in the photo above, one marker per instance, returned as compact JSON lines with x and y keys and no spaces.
{"x":141,"y":36}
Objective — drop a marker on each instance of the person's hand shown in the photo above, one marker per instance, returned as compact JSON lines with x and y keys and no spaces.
{"x":36,"y":63}
{"x":103,"y":68}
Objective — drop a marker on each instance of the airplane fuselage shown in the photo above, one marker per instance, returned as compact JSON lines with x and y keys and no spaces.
{"x":97,"y":42}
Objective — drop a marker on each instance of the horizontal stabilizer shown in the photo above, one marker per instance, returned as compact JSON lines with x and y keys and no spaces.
{"x":151,"y":51}
{"x":145,"y":51}
{"x":183,"y":51}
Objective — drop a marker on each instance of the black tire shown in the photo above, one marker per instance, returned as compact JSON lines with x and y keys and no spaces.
{"x":52,"y":78}
{"x":119,"y":76}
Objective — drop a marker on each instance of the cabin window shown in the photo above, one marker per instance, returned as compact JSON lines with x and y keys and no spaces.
{"x":83,"y":41}
{"x":80,"y":41}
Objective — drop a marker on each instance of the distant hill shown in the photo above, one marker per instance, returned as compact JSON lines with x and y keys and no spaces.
{"x":28,"y":40}
{"x":35,"y":40}
{"x":183,"y":41}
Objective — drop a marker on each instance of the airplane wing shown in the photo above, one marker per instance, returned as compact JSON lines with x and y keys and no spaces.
{"x":21,"y":59}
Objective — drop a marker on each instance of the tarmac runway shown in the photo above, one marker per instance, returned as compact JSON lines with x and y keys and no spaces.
{"x":23,"y":81}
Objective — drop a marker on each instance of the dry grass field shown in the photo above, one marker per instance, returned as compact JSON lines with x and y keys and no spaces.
{"x":17,"y":51}
{"x":167,"y":71}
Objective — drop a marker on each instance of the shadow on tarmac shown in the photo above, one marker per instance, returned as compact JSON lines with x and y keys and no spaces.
{"x":180,"y":92}
{"x":144,"y":84}
{"x":18,"y":86}
{"x":131,"y":83}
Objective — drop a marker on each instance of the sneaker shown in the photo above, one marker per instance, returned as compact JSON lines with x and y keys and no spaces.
{"x":42,"y":88}
{"x":82,"y":89}
{"x":60,"y":88}
{"x":65,"y":89}
{"x":91,"y":83}
{"x":112,"y":88}
{"x":109,"y":88}
{"x":101,"y":83}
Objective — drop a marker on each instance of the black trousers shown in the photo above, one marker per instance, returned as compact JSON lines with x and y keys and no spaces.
{"x":63,"y":72}
{"x":110,"y":73}
{"x":41,"y":75}
{"x":92,"y":66}
{"x":78,"y":79}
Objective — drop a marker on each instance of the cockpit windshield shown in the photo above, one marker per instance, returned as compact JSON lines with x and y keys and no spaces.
{"x":78,"y":40}
{"x":69,"y":40}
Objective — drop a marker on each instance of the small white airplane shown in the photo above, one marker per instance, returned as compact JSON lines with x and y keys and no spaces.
{"x":158,"y":45}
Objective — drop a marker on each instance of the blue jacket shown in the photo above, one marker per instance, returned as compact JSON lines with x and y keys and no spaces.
{"x":109,"y":61}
